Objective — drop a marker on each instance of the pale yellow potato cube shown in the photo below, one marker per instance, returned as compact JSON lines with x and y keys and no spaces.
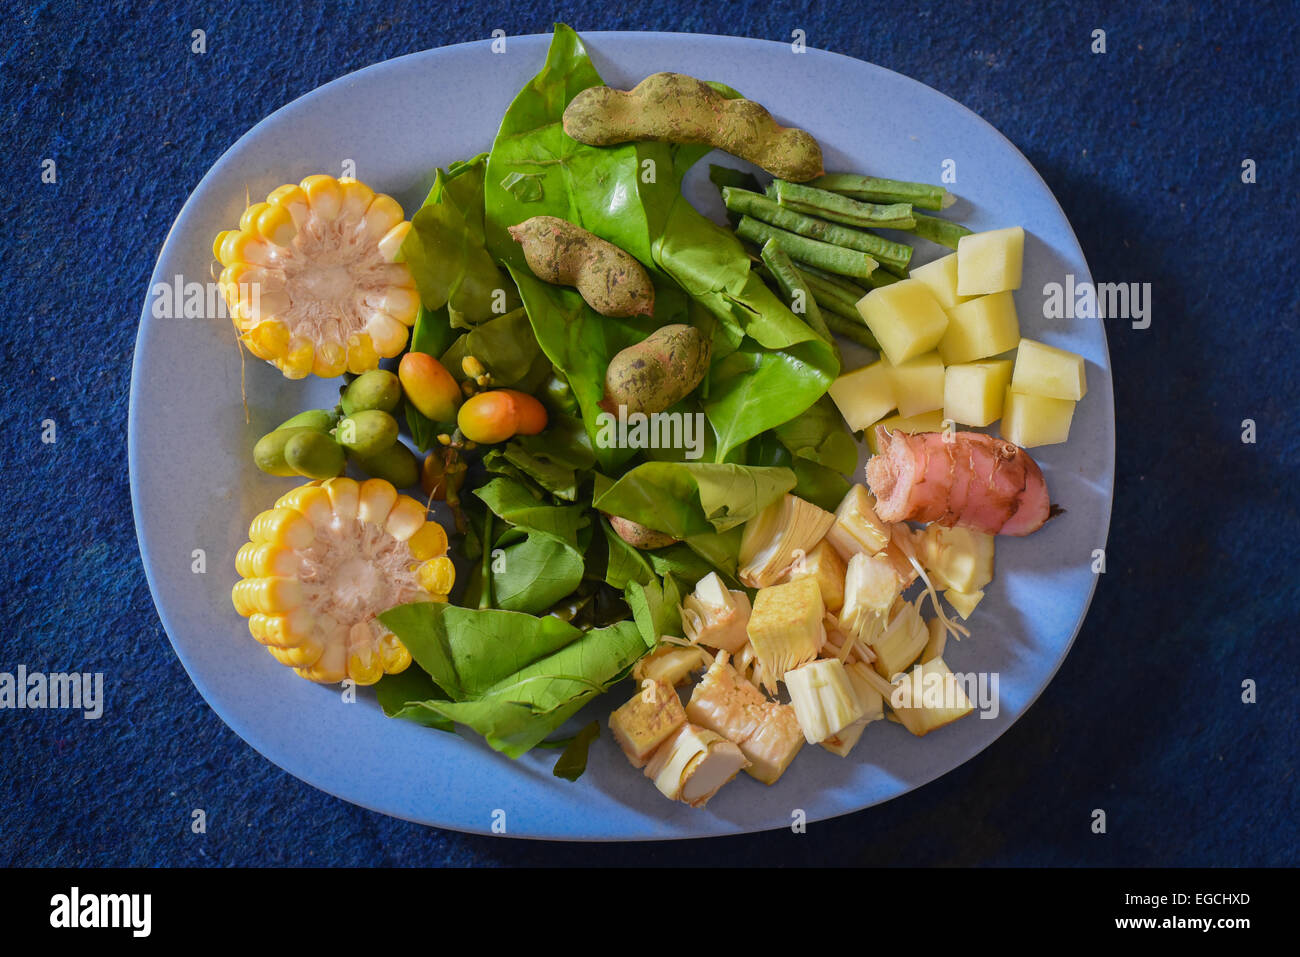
{"x":1049,"y":371}
{"x":941,"y":278}
{"x":925,"y":422}
{"x":980,"y":328}
{"x":905,"y":318}
{"x":990,"y":261}
{"x":1031,"y":420}
{"x":918,"y":384}
{"x":865,"y":395}
{"x":973,"y":391}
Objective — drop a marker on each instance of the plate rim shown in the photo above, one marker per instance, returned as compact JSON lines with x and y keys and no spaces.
{"x":247,"y":734}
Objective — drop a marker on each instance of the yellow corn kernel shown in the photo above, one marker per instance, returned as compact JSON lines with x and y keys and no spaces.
{"x":376,"y":499}
{"x":387,"y":334}
{"x":275,"y":595}
{"x":219,"y":244}
{"x":391,"y":243}
{"x":401,"y":303}
{"x":242,"y":597}
{"x":394,"y":654}
{"x":437,"y":575}
{"x":311,"y":501}
{"x":323,"y":195}
{"x":344,"y":494}
{"x":245,"y":246}
{"x":274,"y":224}
{"x":248,"y":220}
{"x":298,"y":656}
{"x":384,"y":213}
{"x":357,"y":197}
{"x":269,"y":339}
{"x":291,"y":198}
{"x":260,"y":559}
{"x":299,"y":358}
{"x":330,"y":667}
{"x":361,"y":354}
{"x":331,"y":360}
{"x":253,"y":346}
{"x":365,"y":667}
{"x":430,"y":541}
{"x":282,"y":526}
{"x":407,"y":517}
{"x":295,"y":627}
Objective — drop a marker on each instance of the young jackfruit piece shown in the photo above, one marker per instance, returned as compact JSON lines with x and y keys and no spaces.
{"x":716,"y":616}
{"x":902,"y":542}
{"x":870,"y":587}
{"x":824,"y":565}
{"x":873,"y":709}
{"x":786,"y":627}
{"x":766,"y":732}
{"x":672,"y":664}
{"x":963,"y":602}
{"x":957,"y":558}
{"x":929,"y":697}
{"x":937,"y":641}
{"x":857,"y":528}
{"x":694,"y":764}
{"x":823,"y":698}
{"x":774,"y":536}
{"x":901,"y":642}
{"x":652,"y":716}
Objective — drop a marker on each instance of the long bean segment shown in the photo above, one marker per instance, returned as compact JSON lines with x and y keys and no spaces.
{"x":796,"y":292}
{"x":747,"y":203}
{"x":937,"y":230}
{"x":841,"y":209}
{"x":836,"y":259}
{"x":873,"y":189}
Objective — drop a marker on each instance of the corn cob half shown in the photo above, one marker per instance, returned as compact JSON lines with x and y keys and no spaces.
{"x":310,"y":278}
{"x":321,"y":564}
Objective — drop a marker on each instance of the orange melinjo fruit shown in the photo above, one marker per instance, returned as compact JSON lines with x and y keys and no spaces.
{"x":491,"y":417}
{"x":429,"y":386}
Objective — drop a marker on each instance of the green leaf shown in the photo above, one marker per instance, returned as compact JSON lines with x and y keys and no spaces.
{"x":504,"y":344}
{"x":534,"y":574}
{"x":558,"y":460}
{"x":685,"y":563}
{"x":525,"y":187}
{"x":446,"y":248}
{"x":684,"y":499}
{"x":821,"y":436}
{"x":624,"y":563}
{"x":403,"y":695}
{"x":655,"y":607}
{"x":573,"y":761}
{"x":512,"y":502}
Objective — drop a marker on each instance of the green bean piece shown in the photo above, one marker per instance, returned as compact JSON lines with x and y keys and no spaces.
{"x":841,"y":209}
{"x":848,"y":262}
{"x":873,"y":189}
{"x":747,"y":203}
{"x":937,"y":230}
{"x":794,"y":289}
{"x":854,"y":329}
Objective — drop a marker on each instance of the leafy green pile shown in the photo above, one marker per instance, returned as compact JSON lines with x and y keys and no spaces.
{"x":557,"y":606}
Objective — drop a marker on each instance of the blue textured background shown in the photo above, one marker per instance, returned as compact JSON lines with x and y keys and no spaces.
{"x":1143,"y":147}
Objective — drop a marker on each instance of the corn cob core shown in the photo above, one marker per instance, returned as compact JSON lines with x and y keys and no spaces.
{"x":321,"y":564}
{"x":311,"y":280}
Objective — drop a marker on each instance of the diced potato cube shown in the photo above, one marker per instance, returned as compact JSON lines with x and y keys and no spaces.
{"x":824,"y":566}
{"x":864,"y":395}
{"x":905,"y":318}
{"x":918,"y":384}
{"x":929,"y":697}
{"x":973,"y":391}
{"x":1032,"y":420}
{"x":941,"y":278}
{"x":647,"y":721}
{"x":990,"y":261}
{"x":980,"y":328}
{"x":925,"y":422}
{"x":1048,"y":371}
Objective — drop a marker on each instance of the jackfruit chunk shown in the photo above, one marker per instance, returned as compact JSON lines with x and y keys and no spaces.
{"x":774,"y":536}
{"x":929,"y":697}
{"x":901,"y":642}
{"x":964,"y":602}
{"x":766,"y":732}
{"x":716,"y":616}
{"x":873,"y":709}
{"x":652,"y":716}
{"x":870,"y":586}
{"x":786,"y":627}
{"x":824,"y":565}
{"x":857,"y":527}
{"x":960,"y":559}
{"x":669,"y":663}
{"x":694,"y":764}
{"x":823,"y":698}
